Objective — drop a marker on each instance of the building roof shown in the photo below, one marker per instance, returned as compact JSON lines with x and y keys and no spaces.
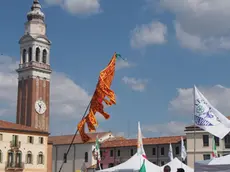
{"x":13,"y":127}
{"x":66,"y":139}
{"x":146,"y":141}
{"x":191,"y":127}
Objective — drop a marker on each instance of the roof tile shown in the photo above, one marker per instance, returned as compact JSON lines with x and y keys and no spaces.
{"x":146,"y":141}
{"x":66,"y":139}
{"x":10,"y":126}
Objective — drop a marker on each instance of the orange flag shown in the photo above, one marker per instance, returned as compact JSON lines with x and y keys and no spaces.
{"x":103,"y":93}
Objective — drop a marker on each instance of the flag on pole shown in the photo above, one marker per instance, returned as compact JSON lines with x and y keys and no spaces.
{"x":143,"y":168}
{"x":183,"y":150}
{"x":97,"y":152}
{"x":103,"y":93}
{"x":209,"y":118}
{"x":140,"y":147}
{"x":214,"y":151}
{"x":170,"y":153}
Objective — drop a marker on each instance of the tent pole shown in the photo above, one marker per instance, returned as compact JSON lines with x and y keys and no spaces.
{"x":194,"y":112}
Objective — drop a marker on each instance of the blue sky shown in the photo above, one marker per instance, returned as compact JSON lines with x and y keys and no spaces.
{"x":175,"y":45}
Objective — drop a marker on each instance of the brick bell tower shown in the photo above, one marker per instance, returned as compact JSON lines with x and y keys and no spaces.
{"x":33,"y":101}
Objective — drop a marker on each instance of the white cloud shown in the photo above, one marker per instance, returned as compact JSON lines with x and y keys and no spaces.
{"x":68,"y":99}
{"x":120,"y":64}
{"x":85,"y":7}
{"x":147,"y":34}
{"x":201,"y":25}
{"x":217,"y":95}
{"x":135,"y":84}
{"x":166,"y":129}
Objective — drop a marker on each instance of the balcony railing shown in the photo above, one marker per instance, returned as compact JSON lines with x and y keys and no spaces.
{"x":15,"y":144}
{"x":14,"y":166}
{"x":34,"y":64}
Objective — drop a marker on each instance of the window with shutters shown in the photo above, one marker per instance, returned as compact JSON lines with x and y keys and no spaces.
{"x":10,"y":157}
{"x":217,"y":141}
{"x":19,"y":157}
{"x":162,"y":151}
{"x":118,"y":153}
{"x":154,"y":151}
{"x":29,"y":158}
{"x":131,"y":152}
{"x":15,"y":142}
{"x":177,"y":150}
{"x":227,"y":141}
{"x":205,"y":140}
{"x":86,"y":157}
{"x":30,"y":139}
{"x":111,"y":153}
{"x":206,"y":156}
{"x":41,"y":140}
{"x":40,"y":158}
{"x":1,"y":156}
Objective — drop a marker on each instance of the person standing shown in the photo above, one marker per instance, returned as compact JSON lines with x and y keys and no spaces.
{"x":167,"y":168}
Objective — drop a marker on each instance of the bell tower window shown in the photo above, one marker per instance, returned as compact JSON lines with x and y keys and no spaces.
{"x":30,"y":54}
{"x":44,"y":56}
{"x":37,"y":54}
{"x":24,"y":56}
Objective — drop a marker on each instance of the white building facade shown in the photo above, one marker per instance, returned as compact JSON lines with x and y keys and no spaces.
{"x":203,"y":145}
{"x":80,"y":154}
{"x":22,"y":148}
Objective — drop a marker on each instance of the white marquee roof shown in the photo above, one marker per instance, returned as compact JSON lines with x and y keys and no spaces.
{"x":134,"y":164}
{"x":176,"y":163}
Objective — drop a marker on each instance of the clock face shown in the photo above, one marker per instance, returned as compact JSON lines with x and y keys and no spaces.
{"x":40,"y":107}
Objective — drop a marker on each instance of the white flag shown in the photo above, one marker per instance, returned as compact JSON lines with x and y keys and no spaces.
{"x":208,"y":118}
{"x":183,"y":150}
{"x":140,"y":147}
{"x":170,"y":154}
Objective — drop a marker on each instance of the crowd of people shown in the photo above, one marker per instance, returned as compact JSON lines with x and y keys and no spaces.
{"x":168,"y":169}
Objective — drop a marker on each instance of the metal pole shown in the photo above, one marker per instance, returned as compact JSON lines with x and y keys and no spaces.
{"x":74,"y":137}
{"x":194,"y":112}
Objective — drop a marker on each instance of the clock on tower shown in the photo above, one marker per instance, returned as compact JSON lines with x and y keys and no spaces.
{"x":34,"y":72}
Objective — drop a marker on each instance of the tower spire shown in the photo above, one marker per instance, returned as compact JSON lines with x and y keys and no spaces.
{"x":35,"y":12}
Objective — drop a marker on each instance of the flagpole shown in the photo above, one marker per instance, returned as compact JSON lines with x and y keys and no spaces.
{"x":74,"y":136}
{"x":117,"y":55}
{"x":181,"y":151}
{"x":98,"y":154}
{"x":194,"y":111}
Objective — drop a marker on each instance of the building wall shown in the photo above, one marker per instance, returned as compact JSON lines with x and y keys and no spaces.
{"x":35,"y":148}
{"x":200,"y":149}
{"x":75,"y":158}
{"x":76,"y":155}
{"x":125,"y":154}
{"x":49,"y":157}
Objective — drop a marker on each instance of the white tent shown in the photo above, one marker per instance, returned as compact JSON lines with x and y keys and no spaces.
{"x":176,"y":163}
{"x":221,"y":164}
{"x":134,"y":164}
